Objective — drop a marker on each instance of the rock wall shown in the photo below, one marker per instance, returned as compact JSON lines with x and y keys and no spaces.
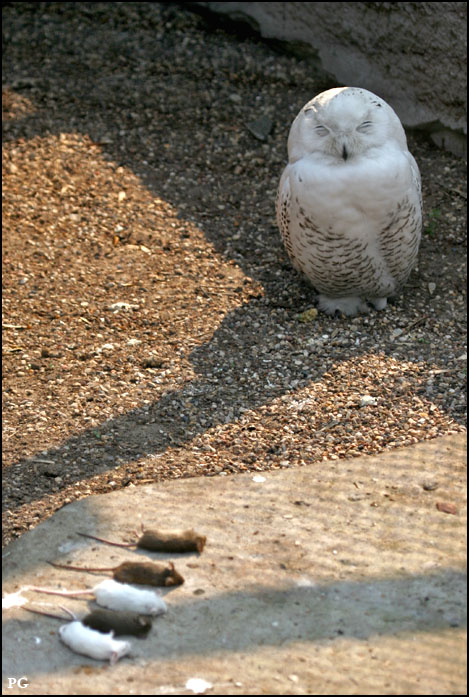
{"x":413,"y":54}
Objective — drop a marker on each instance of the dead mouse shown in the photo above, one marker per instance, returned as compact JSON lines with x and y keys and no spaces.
{"x":159,"y":541}
{"x":105,"y":621}
{"x":89,"y":642}
{"x":143,"y":573}
{"x":116,"y":596}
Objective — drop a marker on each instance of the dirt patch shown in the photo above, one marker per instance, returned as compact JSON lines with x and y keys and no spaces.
{"x":150,"y":313}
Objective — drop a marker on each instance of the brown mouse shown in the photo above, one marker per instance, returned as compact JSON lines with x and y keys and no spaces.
{"x":143,"y":573}
{"x":159,"y":541}
{"x":105,"y":621}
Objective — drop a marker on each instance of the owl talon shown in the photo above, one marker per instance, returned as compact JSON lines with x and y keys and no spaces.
{"x":347,"y":306}
{"x":378,"y":303}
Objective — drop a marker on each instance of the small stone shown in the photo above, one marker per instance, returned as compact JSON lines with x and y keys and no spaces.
{"x":447,"y":508}
{"x":367,"y":401}
{"x":198,"y":685}
{"x":106,"y":347}
{"x":396,"y":332}
{"x":308,"y":315}
{"x":261,"y":127}
{"x":152,"y":362}
{"x":117,"y":307}
{"x":429,"y":485}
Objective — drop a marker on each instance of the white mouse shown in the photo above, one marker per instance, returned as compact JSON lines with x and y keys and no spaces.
{"x":121,"y":596}
{"x":117,"y":596}
{"x":89,"y":642}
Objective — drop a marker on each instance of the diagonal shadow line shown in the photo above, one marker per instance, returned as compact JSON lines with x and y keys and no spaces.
{"x":356,"y":609}
{"x":182,"y":414}
{"x":247,"y":619}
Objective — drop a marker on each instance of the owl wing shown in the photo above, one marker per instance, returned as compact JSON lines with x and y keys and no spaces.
{"x":415,"y":176}
{"x":283,"y":202}
{"x":400,"y":237}
{"x":283,"y":210}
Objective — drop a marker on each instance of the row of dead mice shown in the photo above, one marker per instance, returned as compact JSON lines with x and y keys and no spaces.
{"x":125,"y":610}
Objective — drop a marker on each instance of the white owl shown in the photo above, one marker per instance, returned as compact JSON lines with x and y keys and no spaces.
{"x":349,"y":202}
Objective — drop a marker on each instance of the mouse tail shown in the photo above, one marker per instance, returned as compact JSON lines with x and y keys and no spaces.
{"x":107,"y":542}
{"x":51,"y":591}
{"x":79,"y":568}
{"x":69,"y":612}
{"x":42,"y":612}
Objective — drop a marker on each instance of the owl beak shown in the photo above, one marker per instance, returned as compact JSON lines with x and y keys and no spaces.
{"x":344,"y":152}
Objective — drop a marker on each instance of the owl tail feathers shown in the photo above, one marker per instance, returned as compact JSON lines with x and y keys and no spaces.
{"x":348,"y":306}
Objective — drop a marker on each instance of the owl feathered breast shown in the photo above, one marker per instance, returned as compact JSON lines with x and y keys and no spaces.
{"x":349,"y":201}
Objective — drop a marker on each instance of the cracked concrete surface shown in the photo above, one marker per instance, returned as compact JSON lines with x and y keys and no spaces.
{"x":337,"y":578}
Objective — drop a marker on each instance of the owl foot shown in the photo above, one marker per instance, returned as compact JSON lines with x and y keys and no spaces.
{"x":348,"y":306}
{"x":378,"y":303}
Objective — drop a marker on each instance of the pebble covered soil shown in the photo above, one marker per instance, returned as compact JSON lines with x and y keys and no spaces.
{"x":152,"y":324}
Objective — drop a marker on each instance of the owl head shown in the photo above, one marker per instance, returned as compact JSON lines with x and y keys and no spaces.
{"x":344,"y":123}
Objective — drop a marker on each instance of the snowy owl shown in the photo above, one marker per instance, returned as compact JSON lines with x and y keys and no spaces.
{"x":349,"y":204}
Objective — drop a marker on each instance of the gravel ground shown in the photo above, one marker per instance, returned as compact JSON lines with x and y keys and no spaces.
{"x":151,"y":320}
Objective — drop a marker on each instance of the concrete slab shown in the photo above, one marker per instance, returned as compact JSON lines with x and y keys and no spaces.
{"x":337,"y":578}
